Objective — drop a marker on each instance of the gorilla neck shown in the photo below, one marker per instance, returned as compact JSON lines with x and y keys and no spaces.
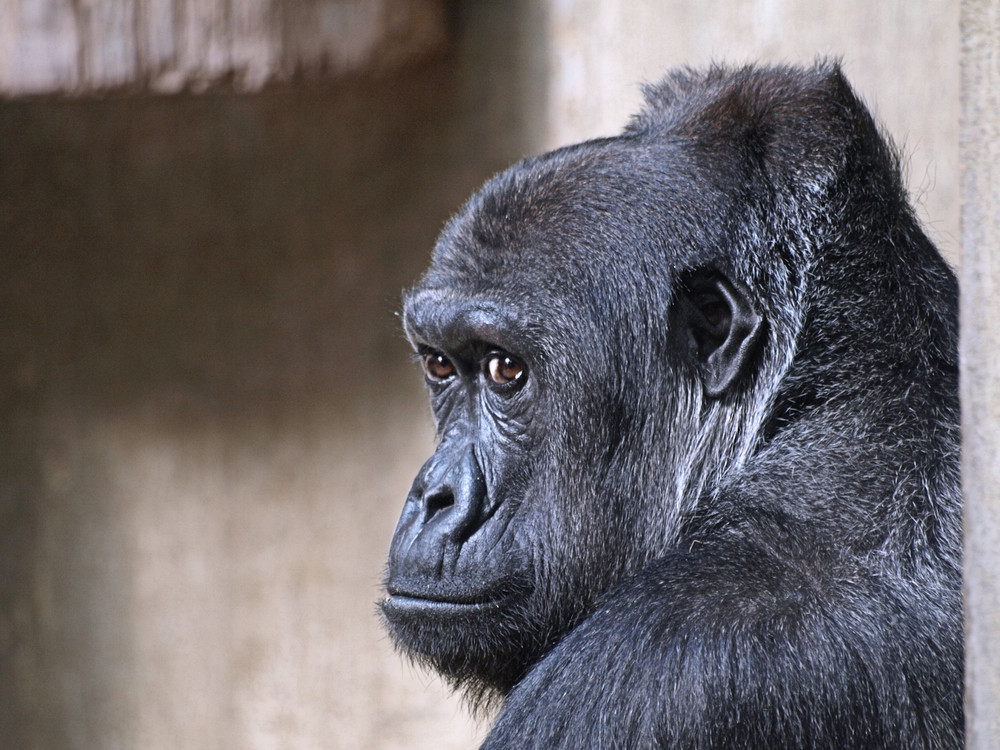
{"x":813,"y":432}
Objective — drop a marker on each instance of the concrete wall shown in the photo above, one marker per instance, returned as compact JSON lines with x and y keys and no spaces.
{"x":980,"y":361}
{"x":207,"y":421}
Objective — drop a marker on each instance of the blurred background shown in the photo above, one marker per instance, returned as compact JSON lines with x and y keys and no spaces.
{"x":208,"y":415}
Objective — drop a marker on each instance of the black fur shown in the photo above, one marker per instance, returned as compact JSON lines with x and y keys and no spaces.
{"x":716,"y":504}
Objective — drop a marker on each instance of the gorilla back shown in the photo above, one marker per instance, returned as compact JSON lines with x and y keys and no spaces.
{"x":696,"y":482}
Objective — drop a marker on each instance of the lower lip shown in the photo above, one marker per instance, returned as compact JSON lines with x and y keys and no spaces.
{"x":402,"y":604}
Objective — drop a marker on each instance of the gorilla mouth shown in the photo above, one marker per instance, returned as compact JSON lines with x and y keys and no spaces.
{"x":398,"y":596}
{"x":404,"y":603}
{"x":402,"y":608}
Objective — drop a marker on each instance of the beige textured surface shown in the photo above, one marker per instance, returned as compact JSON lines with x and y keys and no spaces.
{"x":980,"y":352}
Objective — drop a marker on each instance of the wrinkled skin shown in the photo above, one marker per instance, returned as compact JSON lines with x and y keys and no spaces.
{"x":696,"y":482}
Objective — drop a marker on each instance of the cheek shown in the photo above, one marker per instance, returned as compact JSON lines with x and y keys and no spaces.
{"x":508,"y":427}
{"x":507,"y":467}
{"x":509,"y":433}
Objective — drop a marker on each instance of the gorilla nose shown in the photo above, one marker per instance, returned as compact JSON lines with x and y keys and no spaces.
{"x":445,"y":507}
{"x":439,"y":499}
{"x":453,"y":494}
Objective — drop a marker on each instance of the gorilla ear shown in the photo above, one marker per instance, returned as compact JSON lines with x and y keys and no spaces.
{"x":723,"y":327}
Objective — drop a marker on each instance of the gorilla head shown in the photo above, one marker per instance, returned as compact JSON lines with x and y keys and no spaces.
{"x":692,"y":384}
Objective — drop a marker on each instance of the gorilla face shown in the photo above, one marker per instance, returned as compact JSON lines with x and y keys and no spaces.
{"x":461,"y":568}
{"x":558,"y":401}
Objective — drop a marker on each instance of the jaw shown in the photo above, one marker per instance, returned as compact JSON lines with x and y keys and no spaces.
{"x":482,"y":645}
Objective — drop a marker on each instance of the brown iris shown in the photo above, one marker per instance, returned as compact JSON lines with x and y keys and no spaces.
{"x":438,"y":367}
{"x":503,"y":369}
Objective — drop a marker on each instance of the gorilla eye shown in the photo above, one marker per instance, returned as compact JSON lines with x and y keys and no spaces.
{"x":438,"y":367}
{"x":503,"y":369}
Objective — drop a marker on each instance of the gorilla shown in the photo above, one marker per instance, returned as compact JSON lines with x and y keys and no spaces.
{"x":696,"y":482}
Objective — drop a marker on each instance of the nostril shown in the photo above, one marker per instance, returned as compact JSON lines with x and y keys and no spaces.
{"x":438,"y":500}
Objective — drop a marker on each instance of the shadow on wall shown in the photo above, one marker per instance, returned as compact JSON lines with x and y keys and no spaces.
{"x":208,"y":427}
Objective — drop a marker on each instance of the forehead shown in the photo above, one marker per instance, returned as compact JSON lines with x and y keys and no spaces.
{"x":559,"y":219}
{"x":568,"y":241}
